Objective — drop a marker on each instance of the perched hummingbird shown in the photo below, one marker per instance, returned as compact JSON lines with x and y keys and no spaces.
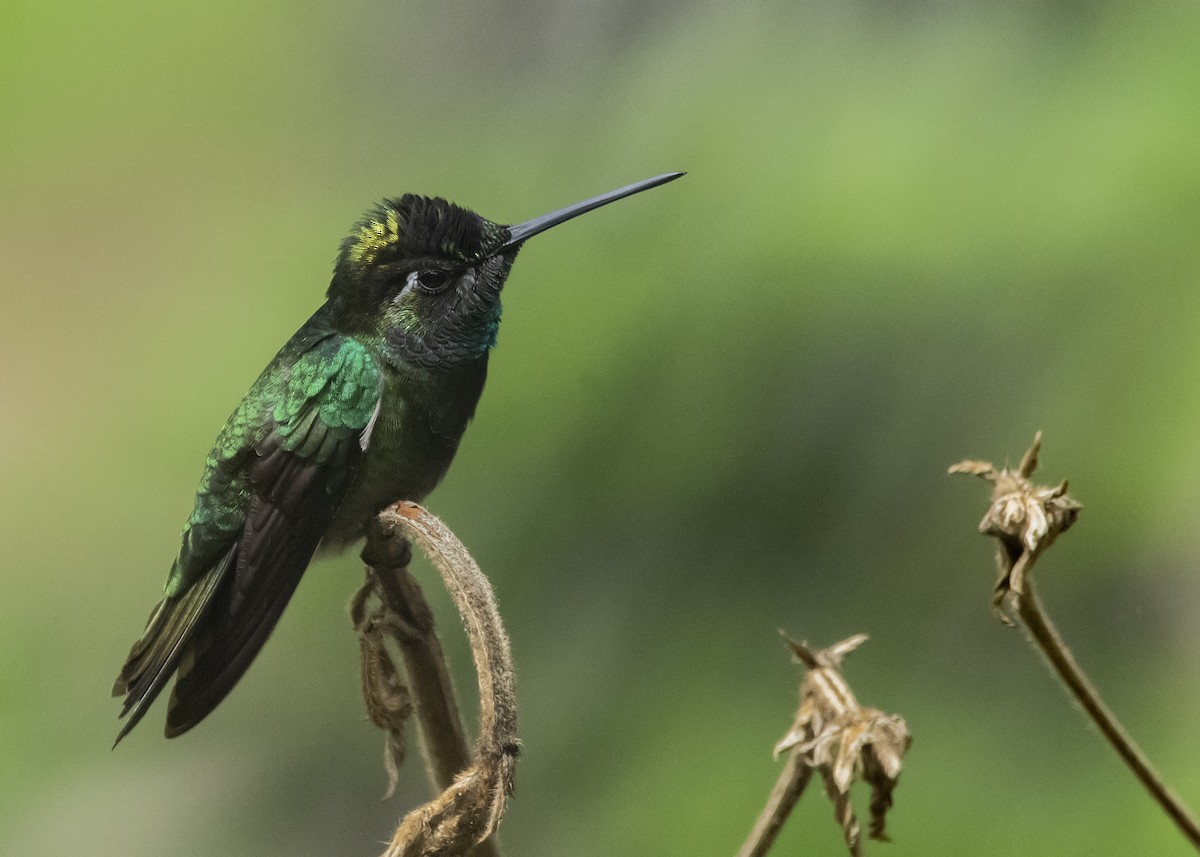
{"x":364,"y":406}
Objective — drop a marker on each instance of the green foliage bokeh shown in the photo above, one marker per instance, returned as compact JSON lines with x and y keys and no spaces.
{"x":910,"y":233}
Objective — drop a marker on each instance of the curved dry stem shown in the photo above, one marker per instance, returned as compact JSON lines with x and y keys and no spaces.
{"x":469,"y":808}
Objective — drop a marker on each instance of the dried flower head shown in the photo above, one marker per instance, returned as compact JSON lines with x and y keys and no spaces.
{"x":843,"y":740}
{"x":1023,"y":517}
{"x":1025,"y":520}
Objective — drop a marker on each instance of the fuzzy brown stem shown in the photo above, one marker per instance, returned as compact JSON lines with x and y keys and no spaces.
{"x":1046,"y":637}
{"x":443,"y":738}
{"x":472,"y":594}
{"x":787,"y":791}
{"x":467,"y":811}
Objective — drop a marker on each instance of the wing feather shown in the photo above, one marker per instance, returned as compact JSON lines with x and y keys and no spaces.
{"x":155,"y":656}
{"x":286,"y":484}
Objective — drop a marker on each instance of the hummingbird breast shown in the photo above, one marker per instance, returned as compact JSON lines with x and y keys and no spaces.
{"x":415,"y":435}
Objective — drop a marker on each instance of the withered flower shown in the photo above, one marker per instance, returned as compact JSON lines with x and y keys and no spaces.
{"x":1023,"y":517}
{"x":1025,"y":520}
{"x":843,"y":740}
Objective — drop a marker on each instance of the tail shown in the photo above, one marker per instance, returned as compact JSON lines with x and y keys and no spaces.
{"x":154,"y":657}
{"x":211,"y":632}
{"x":269,"y":563}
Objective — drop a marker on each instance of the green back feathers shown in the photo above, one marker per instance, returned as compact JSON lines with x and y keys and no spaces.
{"x":336,"y":383}
{"x":328,"y":395}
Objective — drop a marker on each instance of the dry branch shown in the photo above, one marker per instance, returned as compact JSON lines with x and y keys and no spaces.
{"x":475,"y":786}
{"x":1025,"y":519}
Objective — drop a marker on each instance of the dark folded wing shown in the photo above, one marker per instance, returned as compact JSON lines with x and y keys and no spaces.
{"x":317,"y":427}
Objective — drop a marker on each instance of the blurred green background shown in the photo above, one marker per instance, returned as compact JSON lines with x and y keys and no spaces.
{"x":911,"y":232}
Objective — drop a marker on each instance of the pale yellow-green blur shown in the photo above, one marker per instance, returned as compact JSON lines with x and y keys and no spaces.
{"x":910,"y":233}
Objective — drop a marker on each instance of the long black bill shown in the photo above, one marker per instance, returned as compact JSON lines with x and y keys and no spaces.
{"x":524,"y":231}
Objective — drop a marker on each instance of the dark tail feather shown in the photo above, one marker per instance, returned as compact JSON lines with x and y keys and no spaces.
{"x":271,"y":561}
{"x":212,"y":633}
{"x":155,"y":656}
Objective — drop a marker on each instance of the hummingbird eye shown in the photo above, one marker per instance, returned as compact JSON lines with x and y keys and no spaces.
{"x":431,"y":281}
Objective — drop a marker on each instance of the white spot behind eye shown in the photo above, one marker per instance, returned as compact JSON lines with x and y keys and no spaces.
{"x":409,"y":282}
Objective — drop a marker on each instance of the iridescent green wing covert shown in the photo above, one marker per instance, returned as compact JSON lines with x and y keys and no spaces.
{"x":272,"y":484}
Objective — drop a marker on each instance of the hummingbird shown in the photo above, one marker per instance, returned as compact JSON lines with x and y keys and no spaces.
{"x":364,"y":406}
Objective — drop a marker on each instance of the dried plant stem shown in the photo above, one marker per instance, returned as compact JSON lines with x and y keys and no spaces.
{"x":467,"y":811}
{"x":1025,"y":520}
{"x":443,"y":738}
{"x":788,"y":788}
{"x":1046,"y":637}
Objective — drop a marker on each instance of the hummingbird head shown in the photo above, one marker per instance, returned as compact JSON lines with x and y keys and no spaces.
{"x":425,"y":275}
